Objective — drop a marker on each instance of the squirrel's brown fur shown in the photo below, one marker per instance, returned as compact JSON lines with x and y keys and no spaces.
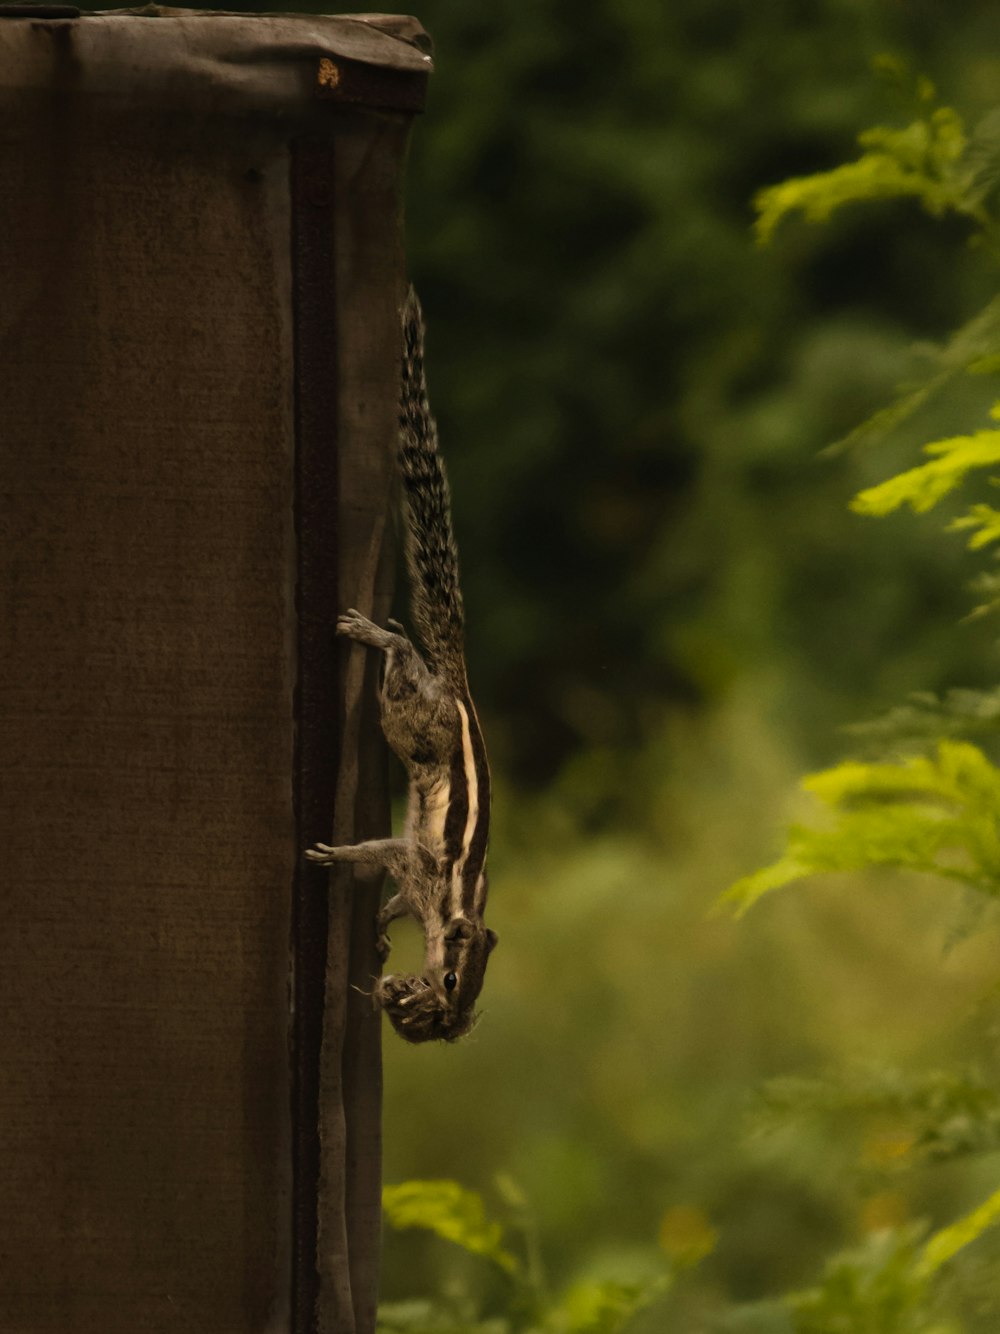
{"x":439,"y":864}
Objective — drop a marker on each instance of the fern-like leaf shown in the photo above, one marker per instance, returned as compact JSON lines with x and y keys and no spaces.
{"x":602,"y":1307}
{"x":872,"y":1288}
{"x":452,"y":1212}
{"x":886,"y":1285}
{"x":922,"y":487}
{"x":926,"y":718}
{"x":941,"y":1115}
{"x":946,"y":1244}
{"x":973,"y":349}
{"x":983,"y":521}
{"x":922,"y":161}
{"x":937,"y":815}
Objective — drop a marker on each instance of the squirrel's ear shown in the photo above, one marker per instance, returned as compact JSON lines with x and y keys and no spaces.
{"x":491,"y":940}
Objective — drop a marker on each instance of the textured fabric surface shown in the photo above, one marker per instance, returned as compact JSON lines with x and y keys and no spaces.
{"x":151,"y":706}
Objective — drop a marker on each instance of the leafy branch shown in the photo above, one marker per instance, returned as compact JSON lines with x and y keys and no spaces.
{"x":458,"y":1215}
{"x":922,"y":487}
{"x":885,"y":1286}
{"x":924,"y":161}
{"x":934,"y":1117}
{"x":938,"y":163}
{"x":936,"y":815}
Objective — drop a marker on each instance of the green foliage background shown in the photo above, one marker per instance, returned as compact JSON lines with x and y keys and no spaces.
{"x":673,"y":613}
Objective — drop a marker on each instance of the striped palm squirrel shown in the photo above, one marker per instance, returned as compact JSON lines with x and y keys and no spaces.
{"x":439,"y":863}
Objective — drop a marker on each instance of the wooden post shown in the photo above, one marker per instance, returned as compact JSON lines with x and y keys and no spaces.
{"x":201,"y":274}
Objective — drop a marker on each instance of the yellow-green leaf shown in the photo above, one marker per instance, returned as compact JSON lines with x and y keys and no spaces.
{"x":950,"y":1240}
{"x":452,"y":1212}
{"x":921,"y":488}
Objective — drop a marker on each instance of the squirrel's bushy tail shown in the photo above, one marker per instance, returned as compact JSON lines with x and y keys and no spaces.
{"x":431,"y":554}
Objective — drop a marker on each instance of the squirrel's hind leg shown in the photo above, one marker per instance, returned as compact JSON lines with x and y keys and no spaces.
{"x":363,"y":631}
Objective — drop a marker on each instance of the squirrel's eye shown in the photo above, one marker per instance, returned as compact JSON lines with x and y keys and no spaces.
{"x":450,"y":981}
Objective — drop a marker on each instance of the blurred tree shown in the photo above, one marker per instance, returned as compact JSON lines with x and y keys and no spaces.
{"x":631,"y":398}
{"x":930,"y":805}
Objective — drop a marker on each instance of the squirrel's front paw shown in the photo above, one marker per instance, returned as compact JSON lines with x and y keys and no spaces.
{"x":323,"y":855}
{"x":355,"y":626}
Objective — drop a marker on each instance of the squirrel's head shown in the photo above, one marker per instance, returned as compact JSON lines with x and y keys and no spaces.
{"x":441,"y":1003}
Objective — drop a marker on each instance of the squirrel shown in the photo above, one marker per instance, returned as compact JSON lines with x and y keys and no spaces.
{"x":429,"y":720}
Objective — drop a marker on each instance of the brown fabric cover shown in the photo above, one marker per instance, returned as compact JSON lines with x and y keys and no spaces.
{"x":153,"y":600}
